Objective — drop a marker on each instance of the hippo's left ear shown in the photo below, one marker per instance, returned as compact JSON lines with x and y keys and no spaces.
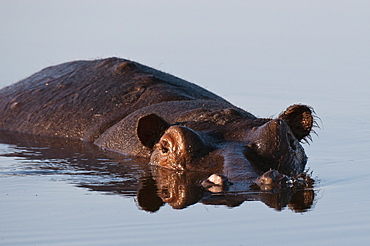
{"x":150,"y":128}
{"x":300,"y":119}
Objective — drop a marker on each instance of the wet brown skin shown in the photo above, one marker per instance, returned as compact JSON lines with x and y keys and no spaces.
{"x":136,"y":110}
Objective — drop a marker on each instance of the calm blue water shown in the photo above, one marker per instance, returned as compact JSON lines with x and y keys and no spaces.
{"x":261,"y":56}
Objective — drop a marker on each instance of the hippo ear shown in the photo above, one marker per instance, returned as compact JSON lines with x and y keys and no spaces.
{"x":150,"y":128}
{"x":300,"y":119}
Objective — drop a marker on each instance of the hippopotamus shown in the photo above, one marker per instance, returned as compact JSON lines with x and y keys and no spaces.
{"x":126,"y":107}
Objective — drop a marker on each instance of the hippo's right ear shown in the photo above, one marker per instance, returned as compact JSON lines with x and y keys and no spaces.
{"x":301,"y":119}
{"x":150,"y":128}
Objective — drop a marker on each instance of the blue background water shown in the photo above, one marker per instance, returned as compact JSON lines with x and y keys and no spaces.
{"x":260,"y":55}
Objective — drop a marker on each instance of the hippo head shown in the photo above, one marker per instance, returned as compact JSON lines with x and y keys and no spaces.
{"x":234,"y":149}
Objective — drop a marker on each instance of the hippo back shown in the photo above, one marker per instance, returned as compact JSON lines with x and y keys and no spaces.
{"x":82,"y":99}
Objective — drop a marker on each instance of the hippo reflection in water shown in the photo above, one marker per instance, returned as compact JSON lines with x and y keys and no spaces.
{"x":87,"y":166}
{"x":132,"y":109}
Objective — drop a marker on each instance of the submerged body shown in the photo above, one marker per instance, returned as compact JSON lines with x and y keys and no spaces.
{"x":129,"y":108}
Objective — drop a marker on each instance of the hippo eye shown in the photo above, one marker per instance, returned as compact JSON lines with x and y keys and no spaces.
{"x":165,"y":147}
{"x":291,"y":141}
{"x":164,"y":150}
{"x":165,"y":192}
